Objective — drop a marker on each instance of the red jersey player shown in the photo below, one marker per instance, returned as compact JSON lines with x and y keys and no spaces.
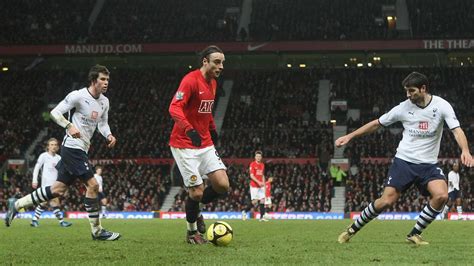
{"x":257,"y":185}
{"x":193,"y":137}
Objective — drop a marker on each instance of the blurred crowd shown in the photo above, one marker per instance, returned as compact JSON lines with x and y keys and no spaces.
{"x":269,"y":110}
{"x":364,"y":184}
{"x":295,"y":187}
{"x":128,"y":187}
{"x":142,"y":21}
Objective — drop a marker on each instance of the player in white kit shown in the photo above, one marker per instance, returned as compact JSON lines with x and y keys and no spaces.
{"x":91,"y":110}
{"x":47,"y":162}
{"x":423,"y":116}
{"x":454,"y":192}
{"x":102,"y":197}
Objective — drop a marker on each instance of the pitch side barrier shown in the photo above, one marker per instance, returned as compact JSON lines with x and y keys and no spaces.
{"x":414,"y":216}
{"x":238,"y":215}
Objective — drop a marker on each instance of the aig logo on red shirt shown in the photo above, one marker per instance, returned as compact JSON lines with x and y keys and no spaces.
{"x":423,"y":125}
{"x":206,"y":106}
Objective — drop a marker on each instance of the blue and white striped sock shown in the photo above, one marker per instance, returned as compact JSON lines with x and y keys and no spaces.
{"x":92,"y":207}
{"x":35,"y":198}
{"x":427,"y":215}
{"x":59,"y":214}
{"x":38,"y":211}
{"x":367,"y":215}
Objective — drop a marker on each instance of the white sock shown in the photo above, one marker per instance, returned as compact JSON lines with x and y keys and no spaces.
{"x":24,"y":202}
{"x":192,"y":226}
{"x":103,"y":209}
{"x":459,"y":209}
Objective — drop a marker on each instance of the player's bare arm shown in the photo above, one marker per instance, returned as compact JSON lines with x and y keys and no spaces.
{"x":365,"y":129}
{"x":466,"y":157}
{"x":58,"y":117}
{"x":260,"y":184}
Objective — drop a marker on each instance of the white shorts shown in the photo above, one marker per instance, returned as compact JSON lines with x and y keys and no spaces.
{"x":195,"y":164}
{"x":268,"y":200}
{"x":257,"y":193}
{"x":47,"y":181}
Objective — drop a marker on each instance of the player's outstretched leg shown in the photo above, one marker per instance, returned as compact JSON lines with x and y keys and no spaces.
{"x":34,"y":198}
{"x":60,"y":216}
{"x":389,"y":196}
{"x":427,"y":215}
{"x":367,"y":215}
{"x":209,"y":195}
{"x":38,"y":211}
{"x":98,"y":233}
{"x":262,"y":212}
{"x":193,"y":235}
{"x":439,"y":196}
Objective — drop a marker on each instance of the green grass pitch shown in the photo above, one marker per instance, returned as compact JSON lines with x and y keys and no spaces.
{"x":162,"y":242}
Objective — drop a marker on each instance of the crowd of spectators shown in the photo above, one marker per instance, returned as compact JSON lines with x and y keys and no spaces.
{"x":295,"y":187}
{"x":274,"y":111}
{"x":435,"y":19}
{"x":375,"y":91}
{"x":45,"y":22}
{"x":364,"y":184}
{"x":128,"y":187}
{"x":25,"y":95}
{"x":317,"y":20}
{"x":166,"y":21}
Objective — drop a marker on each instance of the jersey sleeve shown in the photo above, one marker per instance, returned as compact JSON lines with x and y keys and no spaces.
{"x":65,"y":106}
{"x":449,"y":116}
{"x":103,"y":125}
{"x":38,"y":165}
{"x":252,"y":170}
{"x":68,"y":103}
{"x":180,"y":100}
{"x":391,"y":117}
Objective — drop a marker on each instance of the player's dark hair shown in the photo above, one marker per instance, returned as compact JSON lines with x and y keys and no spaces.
{"x":258,"y":152}
{"x":208,"y":51}
{"x":99,"y":167}
{"x":415,"y":79}
{"x":94,"y":72}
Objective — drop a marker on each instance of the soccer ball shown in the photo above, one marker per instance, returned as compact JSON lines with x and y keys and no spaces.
{"x":220,"y":233}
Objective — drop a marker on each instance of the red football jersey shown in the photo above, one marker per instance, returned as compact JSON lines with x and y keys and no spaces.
{"x":191,"y":108}
{"x":268,"y":189}
{"x":257,"y":169}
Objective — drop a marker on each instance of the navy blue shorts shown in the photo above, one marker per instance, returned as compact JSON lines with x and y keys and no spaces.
{"x":453,"y":195}
{"x":402,"y":175}
{"x":74,"y":164}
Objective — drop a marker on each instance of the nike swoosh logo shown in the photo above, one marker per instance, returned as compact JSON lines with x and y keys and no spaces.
{"x":201,"y":92}
{"x":255,"y":47}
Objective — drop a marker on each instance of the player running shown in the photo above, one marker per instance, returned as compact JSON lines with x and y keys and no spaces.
{"x":193,"y":137}
{"x":46,"y":163}
{"x":91,"y":112}
{"x":415,"y":162}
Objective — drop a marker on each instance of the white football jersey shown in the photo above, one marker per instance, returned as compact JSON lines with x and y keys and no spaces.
{"x":423,"y":128}
{"x":90,"y":113}
{"x":453,"y":178}
{"x":47,"y":164}
{"x":99,"y":180}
